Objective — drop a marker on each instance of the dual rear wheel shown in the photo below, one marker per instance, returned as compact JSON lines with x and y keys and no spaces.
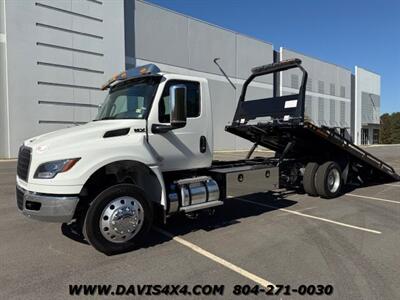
{"x":323,"y":180}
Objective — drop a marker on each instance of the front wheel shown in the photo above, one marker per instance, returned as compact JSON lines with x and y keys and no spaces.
{"x":328,"y":180}
{"x":118,"y":219}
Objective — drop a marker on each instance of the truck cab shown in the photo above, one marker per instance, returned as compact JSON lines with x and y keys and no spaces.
{"x":151,"y":124}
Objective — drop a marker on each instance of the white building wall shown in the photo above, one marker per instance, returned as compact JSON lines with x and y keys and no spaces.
{"x":328,"y":90}
{"x":181,"y":44}
{"x":55,"y":54}
{"x":367,"y":90}
{"x":59,"y":53}
{"x":4,"y":117}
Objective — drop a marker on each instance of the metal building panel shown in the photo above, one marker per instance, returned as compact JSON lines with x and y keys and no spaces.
{"x":294,"y":81}
{"x":370,"y":108}
{"x":332,"y":113}
{"x":3,"y":100}
{"x":321,"y":110}
{"x":2,"y":19}
{"x":308,"y":108}
{"x":309,"y":86}
{"x":223,"y":107}
{"x":89,"y":8}
{"x":251,"y":53}
{"x":209,"y":42}
{"x":332,"y":89}
{"x":63,"y":4}
{"x":321,"y":87}
{"x":342,"y":113}
{"x":161,"y":36}
{"x":316,"y":68}
{"x":69,"y":47}
{"x":343,"y":91}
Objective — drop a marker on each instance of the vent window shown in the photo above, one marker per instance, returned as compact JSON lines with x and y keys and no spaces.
{"x":309,"y":84}
{"x":332,"y":89}
{"x":294,"y":81}
{"x":321,"y":88}
{"x":342,"y":92}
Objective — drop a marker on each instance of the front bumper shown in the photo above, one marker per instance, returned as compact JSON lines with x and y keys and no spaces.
{"x":45,"y":207}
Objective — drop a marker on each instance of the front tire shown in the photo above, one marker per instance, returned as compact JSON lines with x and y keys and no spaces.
{"x":328,"y":180}
{"x":118,"y":219}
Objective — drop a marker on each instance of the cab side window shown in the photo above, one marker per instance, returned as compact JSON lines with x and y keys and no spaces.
{"x":193,"y":100}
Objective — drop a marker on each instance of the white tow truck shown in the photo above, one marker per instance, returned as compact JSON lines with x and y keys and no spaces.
{"x":148,"y":155}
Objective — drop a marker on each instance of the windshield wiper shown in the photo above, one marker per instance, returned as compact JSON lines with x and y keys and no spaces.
{"x":105,"y":118}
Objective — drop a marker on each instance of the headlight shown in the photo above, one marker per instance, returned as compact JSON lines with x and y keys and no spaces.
{"x":50,"y":169}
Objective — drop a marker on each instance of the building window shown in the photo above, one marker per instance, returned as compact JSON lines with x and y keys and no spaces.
{"x":332,"y":111}
{"x":294,"y":81}
{"x":192,"y":104}
{"x":364,"y":136}
{"x":375,"y":136}
{"x":309,"y":84}
{"x":332,"y":89}
{"x":342,"y":91}
{"x":308,"y":108}
{"x":343,"y":113}
{"x":321,"y":88}
{"x":321,"y":105}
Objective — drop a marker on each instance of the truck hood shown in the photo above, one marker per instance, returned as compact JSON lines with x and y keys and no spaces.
{"x":83,"y":134}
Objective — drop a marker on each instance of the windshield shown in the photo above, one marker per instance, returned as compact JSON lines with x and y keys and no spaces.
{"x":129,"y":101}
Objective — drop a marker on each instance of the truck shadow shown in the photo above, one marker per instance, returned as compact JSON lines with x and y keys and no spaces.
{"x":234,"y":210}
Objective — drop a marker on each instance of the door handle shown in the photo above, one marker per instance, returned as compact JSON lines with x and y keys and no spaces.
{"x":203,"y":144}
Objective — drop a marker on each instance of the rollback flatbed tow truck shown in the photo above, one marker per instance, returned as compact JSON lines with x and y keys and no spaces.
{"x":148,"y":156}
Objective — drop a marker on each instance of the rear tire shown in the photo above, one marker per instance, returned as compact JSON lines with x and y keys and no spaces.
{"x":118,"y":219}
{"x":328,"y":180}
{"x":309,"y":179}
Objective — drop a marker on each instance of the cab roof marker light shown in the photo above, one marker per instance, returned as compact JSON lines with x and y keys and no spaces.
{"x":137,"y":72}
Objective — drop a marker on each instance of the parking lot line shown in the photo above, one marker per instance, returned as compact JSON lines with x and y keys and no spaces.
{"x":216,"y":259}
{"x":299,"y":210}
{"x":310,"y":216}
{"x":373,"y":198}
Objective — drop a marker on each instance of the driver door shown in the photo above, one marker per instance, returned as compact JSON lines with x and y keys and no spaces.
{"x":181,"y":148}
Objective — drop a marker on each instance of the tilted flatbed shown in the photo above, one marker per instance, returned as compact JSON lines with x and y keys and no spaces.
{"x":279,"y":124}
{"x":313,"y":140}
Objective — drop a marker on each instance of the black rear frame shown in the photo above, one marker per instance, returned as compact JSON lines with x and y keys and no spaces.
{"x":274,"y":107}
{"x":295,"y":139}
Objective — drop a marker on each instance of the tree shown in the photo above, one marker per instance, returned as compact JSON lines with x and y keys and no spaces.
{"x":385,"y":134}
{"x":390,"y":128}
{"x":395,"y":126}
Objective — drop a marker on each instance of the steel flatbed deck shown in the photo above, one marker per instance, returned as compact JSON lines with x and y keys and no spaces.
{"x":278,"y":123}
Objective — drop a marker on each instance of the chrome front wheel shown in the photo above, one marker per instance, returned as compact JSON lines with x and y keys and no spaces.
{"x":118,"y":219}
{"x":121,"y":219}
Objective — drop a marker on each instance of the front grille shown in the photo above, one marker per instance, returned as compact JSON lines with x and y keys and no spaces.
{"x":20,"y":199}
{"x":24,"y":160}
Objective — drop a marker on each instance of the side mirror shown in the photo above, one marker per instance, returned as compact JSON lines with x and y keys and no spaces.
{"x":178,"y":105}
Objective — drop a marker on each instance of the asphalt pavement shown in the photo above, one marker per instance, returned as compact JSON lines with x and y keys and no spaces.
{"x":281,"y":238}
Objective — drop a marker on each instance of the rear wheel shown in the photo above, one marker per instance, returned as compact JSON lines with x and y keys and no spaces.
{"x":309,"y":178}
{"x":328,"y":180}
{"x":118,"y":219}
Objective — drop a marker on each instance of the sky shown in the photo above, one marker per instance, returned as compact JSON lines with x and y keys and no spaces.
{"x":344,"y":32}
